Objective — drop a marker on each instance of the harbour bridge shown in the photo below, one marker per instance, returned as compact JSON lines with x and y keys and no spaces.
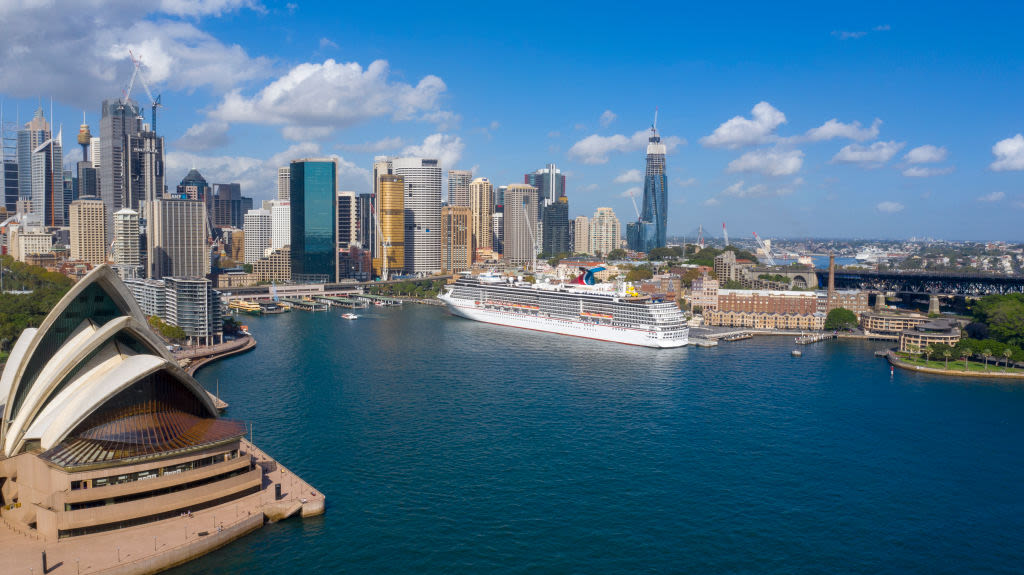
{"x":925,"y":283}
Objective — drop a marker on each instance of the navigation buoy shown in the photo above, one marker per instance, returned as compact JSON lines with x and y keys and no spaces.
{"x":892,"y":371}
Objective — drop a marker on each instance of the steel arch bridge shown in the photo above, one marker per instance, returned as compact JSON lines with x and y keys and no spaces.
{"x":953,"y":283}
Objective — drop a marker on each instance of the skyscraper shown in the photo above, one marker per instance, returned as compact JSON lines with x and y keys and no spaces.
{"x":456,"y":239}
{"x":458,"y":188}
{"x":118,"y":121}
{"x":88,"y":223}
{"x":257,"y":234}
{"x":312,"y":189}
{"x":367,"y":228}
{"x":48,"y":182}
{"x":422,"y":179}
{"x":391,"y":215}
{"x":127,"y":256}
{"x":284,"y":183}
{"x":605,"y":234}
{"x":347,"y":224}
{"x":550,"y":184}
{"x":520,"y":224}
{"x":556,"y":228}
{"x":650,"y":231}
{"x":498,"y":233}
{"x":88,"y":183}
{"x":481,"y":198}
{"x":176,"y":236}
{"x":145,"y":168}
{"x":34,"y":134}
{"x":280,"y":223}
{"x":229,"y":206}
{"x":581,"y":235}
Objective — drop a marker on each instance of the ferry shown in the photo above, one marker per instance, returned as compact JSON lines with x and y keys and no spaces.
{"x":249,"y":307}
{"x":349,"y":316}
{"x":603,"y":311}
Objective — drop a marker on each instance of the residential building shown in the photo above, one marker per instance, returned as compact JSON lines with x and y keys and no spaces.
{"x":276,"y":267}
{"x":456,"y":239}
{"x":193,"y":305}
{"x":520,"y":225}
{"x":347,"y":221}
{"x":853,"y":300}
{"x":458,"y":188}
{"x":704,"y":292}
{"x":176,"y":239}
{"x":890,"y":324}
{"x":280,"y":223}
{"x":422,"y":179}
{"x":481,"y":197}
{"x":605,"y":234}
{"x":581,"y":235}
{"x":763,"y":320}
{"x":257,"y":232}
{"x":314,"y":230}
{"x":768,"y":301}
{"x":556,"y":228}
{"x":391,"y":214}
{"x":88,"y":223}
{"x":126,"y":249}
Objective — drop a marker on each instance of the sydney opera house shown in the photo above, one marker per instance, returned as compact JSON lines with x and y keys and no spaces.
{"x":103,"y":431}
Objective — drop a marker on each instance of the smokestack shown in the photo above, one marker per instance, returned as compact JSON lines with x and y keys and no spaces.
{"x":831,"y":279}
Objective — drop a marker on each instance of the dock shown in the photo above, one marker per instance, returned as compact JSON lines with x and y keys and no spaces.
{"x":379,"y":299}
{"x":814,"y":338}
{"x":343,"y":302}
{"x":305,"y":305}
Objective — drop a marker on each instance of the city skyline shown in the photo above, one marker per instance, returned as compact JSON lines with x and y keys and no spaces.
{"x":893,"y":119}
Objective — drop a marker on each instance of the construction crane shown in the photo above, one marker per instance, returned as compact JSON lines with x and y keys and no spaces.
{"x":725,"y":235}
{"x":635,"y":208}
{"x":154,"y":102}
{"x":767,"y":250}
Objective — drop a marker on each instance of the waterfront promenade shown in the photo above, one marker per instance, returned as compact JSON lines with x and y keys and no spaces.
{"x":896,"y":361}
{"x":199,"y":356}
{"x":160,"y":545}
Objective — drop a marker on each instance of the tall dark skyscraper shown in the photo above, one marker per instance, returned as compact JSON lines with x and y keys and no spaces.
{"x":556,"y":228}
{"x":314,"y":216}
{"x":366,"y":233}
{"x":650,"y":231}
{"x":550,"y":184}
{"x":118,"y":122}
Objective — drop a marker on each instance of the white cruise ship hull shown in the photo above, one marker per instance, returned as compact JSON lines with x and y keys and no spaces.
{"x":631,"y":336}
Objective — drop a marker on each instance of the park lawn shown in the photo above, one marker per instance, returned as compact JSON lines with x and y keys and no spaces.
{"x":958,"y":364}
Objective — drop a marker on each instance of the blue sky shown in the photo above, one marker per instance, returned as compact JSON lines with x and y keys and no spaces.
{"x":874,"y":121}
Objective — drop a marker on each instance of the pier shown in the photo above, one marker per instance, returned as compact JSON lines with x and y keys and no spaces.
{"x":379,"y":299}
{"x":343,"y":302}
{"x":814,"y":338}
{"x":305,"y":305}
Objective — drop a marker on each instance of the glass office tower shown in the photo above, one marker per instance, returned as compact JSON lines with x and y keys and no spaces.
{"x":313,"y":215}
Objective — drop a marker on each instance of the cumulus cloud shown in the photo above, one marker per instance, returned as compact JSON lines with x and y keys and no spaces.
{"x":78,"y":51}
{"x":303,"y":133}
{"x":607,"y":117}
{"x":833,"y":129}
{"x":712,"y":201}
{"x":685,"y":183}
{"x":258,"y":177}
{"x":874,"y":155}
{"x":853,"y":35}
{"x":445,"y":147}
{"x":326,"y":43}
{"x":629,"y":176}
{"x":741,"y":190}
{"x":594,"y":149}
{"x":925,"y":172}
{"x":332,"y":95}
{"x":739,"y":131}
{"x":1009,"y":154}
{"x":773,"y":162}
{"x":588,"y":188}
{"x":204,"y":136}
{"x":992,"y":197}
{"x":927,"y":154}
{"x":889,"y":207}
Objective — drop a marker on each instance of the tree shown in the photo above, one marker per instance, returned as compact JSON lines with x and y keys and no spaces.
{"x":617,"y":254}
{"x":948,"y":353}
{"x":840,"y":318}
{"x":638,"y":274}
{"x":986,"y":353}
{"x":671,"y":253}
{"x":1007,"y":353}
{"x":1004,"y":316}
{"x":928,"y":351}
{"x":247,"y":268}
{"x":966,"y":355}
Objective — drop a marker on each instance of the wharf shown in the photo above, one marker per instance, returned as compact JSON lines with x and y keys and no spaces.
{"x":160,"y":545}
{"x":305,"y":305}
{"x":379,"y":299}
{"x":702,"y":342}
{"x":343,"y":302}
{"x":814,"y":338}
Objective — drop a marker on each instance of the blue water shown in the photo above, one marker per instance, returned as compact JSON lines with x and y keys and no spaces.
{"x":450,"y":446}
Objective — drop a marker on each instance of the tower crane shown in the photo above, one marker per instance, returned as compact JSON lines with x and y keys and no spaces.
{"x":767,"y":251}
{"x":154,"y":102}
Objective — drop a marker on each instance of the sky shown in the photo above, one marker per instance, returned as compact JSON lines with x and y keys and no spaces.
{"x":882,"y":120}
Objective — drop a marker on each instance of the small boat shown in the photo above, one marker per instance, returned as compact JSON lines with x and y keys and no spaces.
{"x":349,"y":316}
{"x":796,"y":353}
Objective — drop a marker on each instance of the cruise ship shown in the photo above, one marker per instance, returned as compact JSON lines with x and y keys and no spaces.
{"x":580,"y":309}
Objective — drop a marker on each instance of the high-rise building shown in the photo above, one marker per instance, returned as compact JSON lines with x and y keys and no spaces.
{"x":458,"y":187}
{"x":520,"y":224}
{"x":366,"y":226}
{"x":498,"y":232}
{"x":258,"y":231}
{"x":456,"y":239}
{"x":381,"y":167}
{"x":481,"y":196}
{"x":118,"y":122}
{"x":650,"y":231}
{"x":126,"y":253}
{"x":70,"y":194}
{"x":48,"y":182}
{"x":391,"y":215}
{"x":605,"y":234}
{"x":347,"y":222}
{"x":176,"y":236}
{"x":9,"y":184}
{"x":88,"y":184}
{"x":422,"y":213}
{"x":556,"y":228}
{"x":187,"y":302}
{"x":34,"y":134}
{"x":145,"y":168}
{"x":313,"y":185}
{"x":499,"y":198}
{"x":95,"y":153}
{"x":284,"y":183}
{"x":550,"y":184}
{"x":581,"y":235}
{"x":194,"y":187}
{"x":280,"y":223}
{"x":229,"y":206}
{"x":88,"y":223}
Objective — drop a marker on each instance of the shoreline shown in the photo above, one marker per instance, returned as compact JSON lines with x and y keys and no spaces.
{"x":204,"y":360}
{"x":895,"y":361}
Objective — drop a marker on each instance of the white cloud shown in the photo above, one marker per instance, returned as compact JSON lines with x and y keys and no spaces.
{"x":844,"y":35}
{"x":712,"y":201}
{"x":773,"y":162}
{"x":588,"y":188}
{"x":327,"y":43}
{"x":685,"y":183}
{"x":992,"y":197}
{"x":444,"y":147}
{"x":594,"y":149}
{"x":607,"y":117}
{"x":206,"y":7}
{"x":739,"y":131}
{"x":204,"y":136}
{"x":833,"y":129}
{"x":927,"y":154}
{"x":1009,"y":154}
{"x":333,"y":95}
{"x":382,"y":145}
{"x":925,"y":172}
{"x":495,"y":125}
{"x":889,"y":207}
{"x":305,"y":133}
{"x":629,"y":176}
{"x":874,"y":155}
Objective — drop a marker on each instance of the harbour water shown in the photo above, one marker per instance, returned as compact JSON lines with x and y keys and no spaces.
{"x":445,"y":445}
